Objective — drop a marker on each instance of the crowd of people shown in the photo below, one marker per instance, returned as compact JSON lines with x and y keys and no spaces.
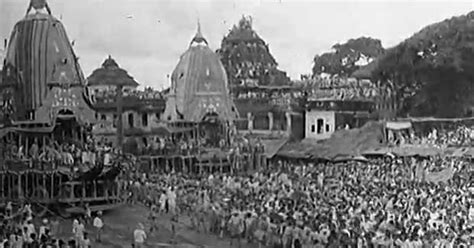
{"x":19,"y":230}
{"x":347,"y":89}
{"x":456,"y":137}
{"x":67,"y":153}
{"x":147,"y":94}
{"x":383,"y":203}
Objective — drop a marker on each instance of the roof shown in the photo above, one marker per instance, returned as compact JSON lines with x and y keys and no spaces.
{"x":199,"y":37}
{"x":272,"y":146}
{"x":41,"y":63}
{"x":110,"y":74}
{"x":48,"y":59}
{"x":199,"y":87}
{"x":432,"y":119}
{"x":343,"y":143}
{"x":398,"y":125}
{"x":405,"y":151}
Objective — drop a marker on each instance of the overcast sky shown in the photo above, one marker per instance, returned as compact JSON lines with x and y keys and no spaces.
{"x":149,"y":44}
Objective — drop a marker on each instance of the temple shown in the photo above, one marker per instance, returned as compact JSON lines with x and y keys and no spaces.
{"x":41,"y":78}
{"x":247,"y":58}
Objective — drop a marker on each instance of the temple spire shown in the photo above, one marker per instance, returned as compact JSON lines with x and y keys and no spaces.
{"x":198,"y":38}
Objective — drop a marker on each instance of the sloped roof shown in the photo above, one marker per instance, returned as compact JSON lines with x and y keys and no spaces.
{"x":110,"y":74}
{"x":343,"y":143}
{"x":40,"y":49}
{"x":199,"y":86}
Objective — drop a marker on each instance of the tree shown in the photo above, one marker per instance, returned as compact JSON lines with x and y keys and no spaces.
{"x":433,"y":70}
{"x":348,"y":57}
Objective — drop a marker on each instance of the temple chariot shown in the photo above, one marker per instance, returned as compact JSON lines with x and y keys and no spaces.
{"x":200,"y":115}
{"x":45,"y":105}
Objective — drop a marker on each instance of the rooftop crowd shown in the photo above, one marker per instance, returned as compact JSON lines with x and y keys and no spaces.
{"x":342,"y":88}
{"x":456,"y":137}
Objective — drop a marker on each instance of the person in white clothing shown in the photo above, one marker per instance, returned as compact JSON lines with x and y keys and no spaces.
{"x":98,"y":225}
{"x":79,"y":234}
{"x":139,"y":236}
{"x":43,"y":228}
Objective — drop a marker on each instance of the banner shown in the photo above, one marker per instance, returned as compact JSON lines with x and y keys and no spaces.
{"x":440,"y":176}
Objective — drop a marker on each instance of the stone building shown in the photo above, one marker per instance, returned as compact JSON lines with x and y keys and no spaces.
{"x":141,"y":110}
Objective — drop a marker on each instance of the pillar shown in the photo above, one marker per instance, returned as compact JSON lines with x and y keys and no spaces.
{"x":249,"y":121}
{"x":119,"y":101}
{"x":270,"y":121}
{"x":288,"y":122}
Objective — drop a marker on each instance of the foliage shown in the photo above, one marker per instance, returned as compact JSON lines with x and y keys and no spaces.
{"x":432,"y":70}
{"x":345,"y":58}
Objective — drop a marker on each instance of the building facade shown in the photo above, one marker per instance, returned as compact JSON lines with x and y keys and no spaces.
{"x":141,"y":109}
{"x":324,"y":116}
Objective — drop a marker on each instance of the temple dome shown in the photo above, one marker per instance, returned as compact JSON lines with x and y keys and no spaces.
{"x":40,"y":64}
{"x":199,"y":86}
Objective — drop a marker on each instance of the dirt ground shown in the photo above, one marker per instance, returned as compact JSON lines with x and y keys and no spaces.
{"x":120,"y":224}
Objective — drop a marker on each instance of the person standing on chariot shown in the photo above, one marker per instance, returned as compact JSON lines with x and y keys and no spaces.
{"x":88,"y":214}
{"x":34,"y":150}
{"x":21,"y":153}
{"x":9,"y":209}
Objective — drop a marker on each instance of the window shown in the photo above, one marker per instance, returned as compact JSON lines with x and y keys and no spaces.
{"x":320,"y":123}
{"x":145,"y":119}
{"x":145,"y":141}
{"x":328,"y":128}
{"x":130,"y":120}
{"x":313,"y":128}
{"x":158,"y":115}
{"x":103,"y":117}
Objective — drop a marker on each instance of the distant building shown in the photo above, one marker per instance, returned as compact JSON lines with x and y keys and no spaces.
{"x":247,"y":58}
{"x":270,"y":110}
{"x":142,"y":110}
{"x":336,"y":102}
{"x":324,"y":116}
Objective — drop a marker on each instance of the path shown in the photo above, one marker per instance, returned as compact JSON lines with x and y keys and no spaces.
{"x":120,"y":224}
